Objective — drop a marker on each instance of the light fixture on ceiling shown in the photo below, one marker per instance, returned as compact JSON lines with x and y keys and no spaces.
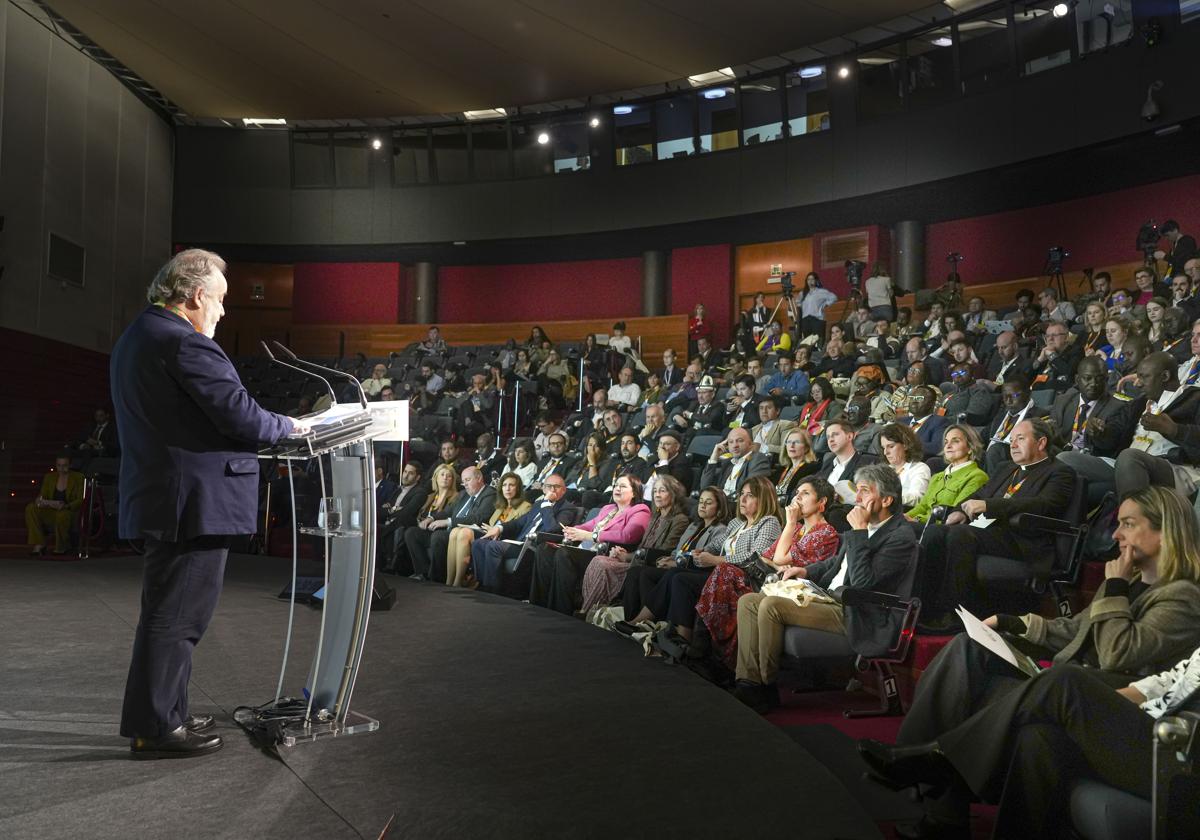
{"x":376,"y":143}
{"x":942,"y":41}
{"x":812,"y":72}
{"x":594,"y":122}
{"x":702,"y":79}
{"x":1060,"y":10}
{"x":261,"y":121}
{"x":485,"y":114}
{"x":543,"y":138}
{"x":622,"y":110}
{"x":843,"y":72}
{"x":714,"y":93}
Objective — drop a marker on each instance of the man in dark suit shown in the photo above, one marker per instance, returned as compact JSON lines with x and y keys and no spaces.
{"x":428,"y":544}
{"x":705,"y":416}
{"x":743,"y":404}
{"x":877,"y":552}
{"x":556,"y":462}
{"x":935,"y":368}
{"x":385,"y":489}
{"x":733,"y":462}
{"x":1055,"y":365}
{"x":974,"y":402}
{"x":929,"y":427}
{"x":1036,"y":483}
{"x":1016,"y":404}
{"x":1183,"y":247}
{"x":401,"y":513}
{"x":669,"y":462}
{"x":1090,"y":420}
{"x":489,"y":551}
{"x":188,"y":482}
{"x":100,"y":439}
{"x":670,"y":375}
{"x":1006,"y":360}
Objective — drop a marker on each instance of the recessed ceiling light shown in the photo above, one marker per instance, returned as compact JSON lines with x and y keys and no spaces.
{"x":1061,"y":9}
{"x":843,"y":71}
{"x":485,"y":114}
{"x":811,"y":72}
{"x":942,"y":41}
{"x":702,"y":79}
{"x":263,"y":121}
{"x":376,"y":143}
{"x":594,"y":122}
{"x":622,"y":110}
{"x":714,"y":93}
{"x":543,"y":138}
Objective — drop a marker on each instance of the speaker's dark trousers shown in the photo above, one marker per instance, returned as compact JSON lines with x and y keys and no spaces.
{"x":180,"y":586}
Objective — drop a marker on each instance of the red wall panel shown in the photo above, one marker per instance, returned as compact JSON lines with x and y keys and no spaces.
{"x":561,"y":291}
{"x":347,"y":293}
{"x":1097,"y":230}
{"x":704,"y":275}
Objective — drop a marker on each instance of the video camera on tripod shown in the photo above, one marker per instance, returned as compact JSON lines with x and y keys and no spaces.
{"x":1147,"y":242}
{"x":854,"y":273}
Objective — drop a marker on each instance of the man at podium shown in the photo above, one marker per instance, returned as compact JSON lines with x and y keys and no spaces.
{"x":188,"y":482}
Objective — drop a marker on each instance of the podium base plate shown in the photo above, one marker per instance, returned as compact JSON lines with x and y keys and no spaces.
{"x":300,"y":731}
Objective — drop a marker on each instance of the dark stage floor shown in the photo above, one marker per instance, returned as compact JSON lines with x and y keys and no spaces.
{"x":498,"y":720}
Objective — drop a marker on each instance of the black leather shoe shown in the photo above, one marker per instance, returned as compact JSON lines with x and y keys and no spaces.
{"x":199,"y":723}
{"x":178,"y":743}
{"x":919,"y":764}
{"x":753,"y":695}
{"x":946,"y":624}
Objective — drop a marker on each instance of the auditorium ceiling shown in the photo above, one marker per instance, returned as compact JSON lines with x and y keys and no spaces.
{"x":338,"y":59}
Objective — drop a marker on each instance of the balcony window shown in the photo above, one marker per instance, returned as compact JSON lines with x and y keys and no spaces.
{"x":351,"y":158}
{"x":633,"y":134}
{"x":571,"y":138}
{"x":676,"y":122}
{"x":931,"y":67}
{"x":1104,"y":23}
{"x":531,"y":158}
{"x":807,"y":100}
{"x":762,"y":111}
{"x":718,"y":119}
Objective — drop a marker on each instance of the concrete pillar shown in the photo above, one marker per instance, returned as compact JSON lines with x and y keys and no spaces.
{"x":425,"y":309}
{"x":908,"y":260}
{"x":654,"y":283}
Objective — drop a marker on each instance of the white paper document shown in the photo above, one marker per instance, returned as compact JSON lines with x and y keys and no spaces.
{"x":993,"y":641}
{"x":981,"y":522}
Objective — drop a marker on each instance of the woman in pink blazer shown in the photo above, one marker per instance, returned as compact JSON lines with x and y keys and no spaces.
{"x":558,"y":571}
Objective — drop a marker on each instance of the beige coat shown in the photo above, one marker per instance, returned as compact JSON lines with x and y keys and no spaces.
{"x":1148,"y":635}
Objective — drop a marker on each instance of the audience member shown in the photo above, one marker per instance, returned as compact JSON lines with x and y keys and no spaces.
{"x":439,"y":505}
{"x":977,"y":316}
{"x":557,"y":571}
{"x":100,"y":438}
{"x":806,"y":538}
{"x":1055,"y":364}
{"x":834,"y":363}
{"x":669,"y":374}
{"x":704,"y":416}
{"x":1005,"y":361}
{"x":814,"y":300}
{"x":971,"y":401}
{"x":1095,"y":338}
{"x":786,"y":382}
{"x":927,"y":426}
{"x":428,"y":543}
{"x":733,"y":462}
{"x":1035,"y":484}
{"x":625,"y":394}
{"x":546,"y":424}
{"x":668,"y":460}
{"x":820,"y":408}
{"x":1144,"y":619}
{"x":903,"y":453}
{"x":510,"y":504}
{"x":866,"y":431}
{"x":1090,"y":421}
{"x":433,"y":343}
{"x":1018,"y":405}
{"x":960,"y":479}
{"x":555,"y":462}
{"x":605,"y":575}
{"x":56,"y":507}
{"x":402,"y":512}
{"x":877,"y":553}
{"x":769,"y":434}
{"x":491,"y":549}
{"x":1053,"y":309}
{"x":914,"y":351}
{"x":797,"y":462}
{"x":376,"y":382}
{"x":775,"y":340}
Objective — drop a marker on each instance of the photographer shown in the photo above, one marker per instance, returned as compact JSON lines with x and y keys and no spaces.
{"x":881,"y":295}
{"x":1183,"y":247}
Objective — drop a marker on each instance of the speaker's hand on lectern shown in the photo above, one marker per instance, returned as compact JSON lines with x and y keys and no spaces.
{"x":299,"y":427}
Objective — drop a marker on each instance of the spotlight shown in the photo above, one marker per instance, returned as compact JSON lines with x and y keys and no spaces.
{"x":942,"y":41}
{"x":594,"y":122}
{"x":543,"y":138}
{"x":1060,"y":10}
{"x":376,"y":143}
{"x":811,"y":72}
{"x":714,"y":93}
{"x":843,"y":72}
{"x":622,"y":110}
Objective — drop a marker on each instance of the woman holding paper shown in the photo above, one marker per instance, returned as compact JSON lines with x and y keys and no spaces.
{"x":510,"y":504}
{"x":1144,"y":619}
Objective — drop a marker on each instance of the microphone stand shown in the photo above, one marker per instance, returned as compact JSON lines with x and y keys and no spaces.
{"x":362,"y":397}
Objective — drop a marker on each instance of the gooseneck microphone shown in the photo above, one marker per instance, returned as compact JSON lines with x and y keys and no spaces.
{"x":282,"y":363}
{"x":362,"y":397}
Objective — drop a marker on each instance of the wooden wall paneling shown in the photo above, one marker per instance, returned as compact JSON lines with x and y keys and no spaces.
{"x":752,"y":266}
{"x":274,"y":280}
{"x":375,"y":340}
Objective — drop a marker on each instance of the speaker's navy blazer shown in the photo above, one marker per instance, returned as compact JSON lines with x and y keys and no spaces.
{"x":188,"y":431}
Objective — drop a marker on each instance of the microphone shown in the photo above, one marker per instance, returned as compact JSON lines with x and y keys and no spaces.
{"x":362,"y":397}
{"x":324,"y":381}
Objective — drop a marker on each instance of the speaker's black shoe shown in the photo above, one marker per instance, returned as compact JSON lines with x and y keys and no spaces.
{"x":178,"y":743}
{"x":200,"y":723}
{"x":919,"y":764}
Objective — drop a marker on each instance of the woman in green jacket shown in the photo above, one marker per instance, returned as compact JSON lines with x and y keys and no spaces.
{"x":961,"y":448}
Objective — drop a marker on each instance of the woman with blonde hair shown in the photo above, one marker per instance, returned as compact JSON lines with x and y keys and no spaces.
{"x":510,"y":504}
{"x":797,"y":461}
{"x":962,"y":476}
{"x":440,"y":504}
{"x":1144,"y":619}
